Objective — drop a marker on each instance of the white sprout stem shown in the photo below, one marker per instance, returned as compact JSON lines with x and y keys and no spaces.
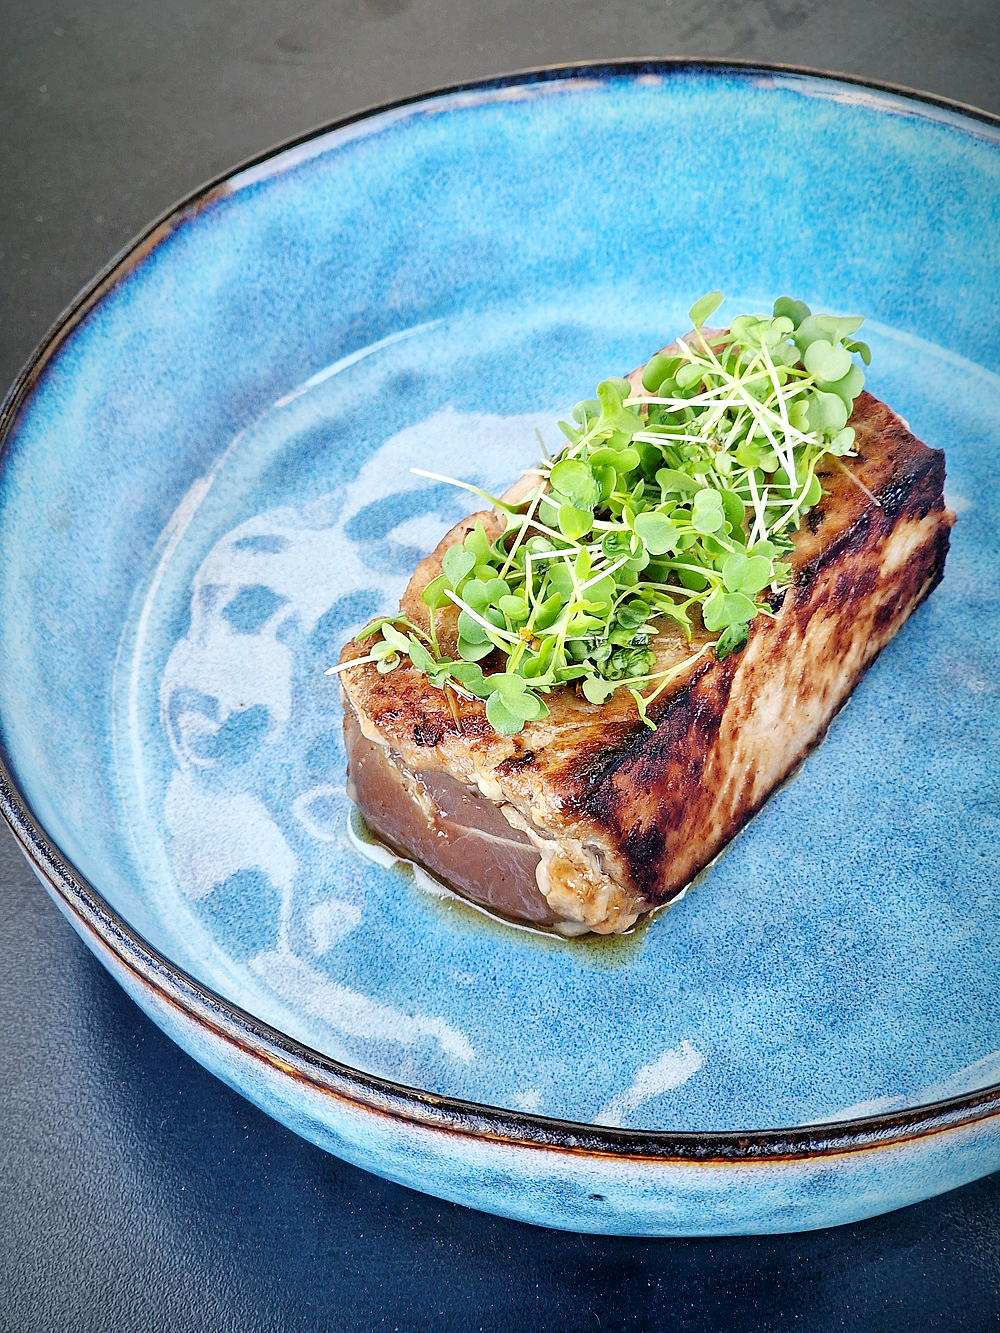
{"x":651,"y":437}
{"x":796,"y":436}
{"x":759,"y":419}
{"x":704,"y":399}
{"x":491,"y":629}
{"x":539,"y":526}
{"x":665,"y":677}
{"x":465,"y":486}
{"x":792,"y":509}
{"x":554,"y":555}
{"x":782,"y":408}
{"x":604,"y":573}
{"x":786,"y":448}
{"x":759,"y":530}
{"x":837,"y":462}
{"x":782,"y":392}
{"x":345,"y":666}
{"x":525,"y":525}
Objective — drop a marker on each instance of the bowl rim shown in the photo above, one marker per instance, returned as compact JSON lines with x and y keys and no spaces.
{"x":95,"y":918}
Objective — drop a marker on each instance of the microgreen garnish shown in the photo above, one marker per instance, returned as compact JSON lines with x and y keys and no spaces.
{"x":674,"y":502}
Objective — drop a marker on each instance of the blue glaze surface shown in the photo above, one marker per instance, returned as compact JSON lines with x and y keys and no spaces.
{"x":208,"y":490}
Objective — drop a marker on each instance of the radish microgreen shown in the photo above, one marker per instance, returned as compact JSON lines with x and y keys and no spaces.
{"x":673,"y":502}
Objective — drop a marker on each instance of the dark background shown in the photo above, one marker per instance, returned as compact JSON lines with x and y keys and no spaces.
{"x":136,"y":1192}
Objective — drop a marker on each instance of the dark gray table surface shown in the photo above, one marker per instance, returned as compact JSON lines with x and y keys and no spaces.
{"x":137,"y":1192}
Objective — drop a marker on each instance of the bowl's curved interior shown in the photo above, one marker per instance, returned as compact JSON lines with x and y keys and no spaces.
{"x":209,"y":486}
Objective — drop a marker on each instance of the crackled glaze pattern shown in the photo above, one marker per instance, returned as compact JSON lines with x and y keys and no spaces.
{"x":209,"y":487}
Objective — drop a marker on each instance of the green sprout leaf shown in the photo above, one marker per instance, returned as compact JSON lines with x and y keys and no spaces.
{"x":658,"y":533}
{"x":457,"y":563}
{"x":724,"y":610}
{"x":576,"y":482}
{"x":396,"y":640}
{"x":435,"y":593}
{"x":614,"y":415}
{"x":794,"y":311}
{"x":574,"y":523}
{"x":478,"y":544}
{"x":707,"y":513}
{"x":501,"y":718}
{"x":746,"y":574}
{"x":827,"y":412}
{"x":597,"y":690}
{"x":731,"y":640}
{"x":827,"y":362}
{"x":705,"y":308}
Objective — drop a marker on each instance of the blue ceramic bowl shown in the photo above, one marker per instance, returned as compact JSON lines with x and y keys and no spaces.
{"x":205,"y":486}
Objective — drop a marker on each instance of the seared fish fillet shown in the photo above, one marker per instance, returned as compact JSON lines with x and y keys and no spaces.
{"x":587,"y":819}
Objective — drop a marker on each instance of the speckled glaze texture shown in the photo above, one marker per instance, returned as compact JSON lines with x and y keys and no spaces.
{"x":206,"y":486}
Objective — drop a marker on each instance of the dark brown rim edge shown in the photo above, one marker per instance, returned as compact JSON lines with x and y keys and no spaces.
{"x":233,"y":1025}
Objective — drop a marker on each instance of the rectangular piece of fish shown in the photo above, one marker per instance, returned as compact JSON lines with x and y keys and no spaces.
{"x":587,"y":819}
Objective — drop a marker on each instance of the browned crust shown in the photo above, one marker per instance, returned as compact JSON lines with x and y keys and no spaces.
{"x":697,"y":767}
